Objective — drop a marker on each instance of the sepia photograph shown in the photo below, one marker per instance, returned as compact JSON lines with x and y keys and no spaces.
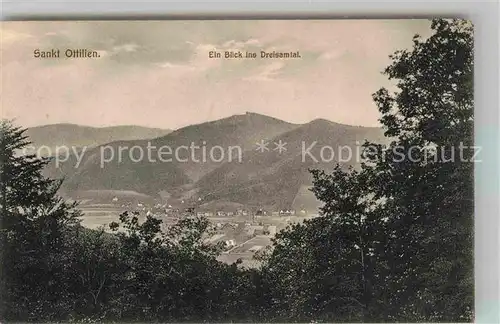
{"x":232,"y":171}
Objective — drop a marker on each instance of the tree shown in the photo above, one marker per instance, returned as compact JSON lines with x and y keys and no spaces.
{"x":33,"y":225}
{"x":430,"y":200}
{"x":401,"y":227}
{"x":53,"y":269}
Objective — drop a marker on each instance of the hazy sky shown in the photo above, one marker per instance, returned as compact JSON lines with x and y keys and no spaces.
{"x":157,"y":73}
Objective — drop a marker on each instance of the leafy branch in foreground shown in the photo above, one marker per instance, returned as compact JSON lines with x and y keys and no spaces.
{"x":395,"y":239}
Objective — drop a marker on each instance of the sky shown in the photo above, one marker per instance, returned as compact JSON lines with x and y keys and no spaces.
{"x":159,"y":74}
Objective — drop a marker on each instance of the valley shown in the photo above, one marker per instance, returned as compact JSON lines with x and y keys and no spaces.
{"x":247,"y":200}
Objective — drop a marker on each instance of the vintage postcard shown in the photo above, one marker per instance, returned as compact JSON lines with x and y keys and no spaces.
{"x":237,"y":171}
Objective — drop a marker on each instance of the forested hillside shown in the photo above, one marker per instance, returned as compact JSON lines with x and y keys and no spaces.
{"x":394,"y":242}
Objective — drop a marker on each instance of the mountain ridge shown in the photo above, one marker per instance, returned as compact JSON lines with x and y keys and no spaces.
{"x":77,"y":136}
{"x":267,"y":179}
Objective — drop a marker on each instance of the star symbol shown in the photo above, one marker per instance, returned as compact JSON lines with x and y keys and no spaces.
{"x":262,"y":146}
{"x":280,"y":147}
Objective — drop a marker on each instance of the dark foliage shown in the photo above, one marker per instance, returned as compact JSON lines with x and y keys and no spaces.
{"x":394,"y":241}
